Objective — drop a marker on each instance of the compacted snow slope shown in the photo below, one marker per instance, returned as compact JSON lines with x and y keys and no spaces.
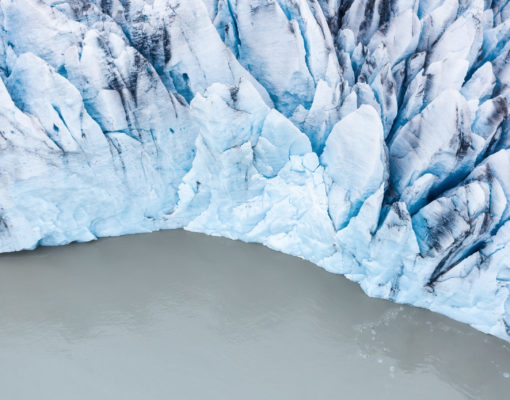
{"x":368,"y":136}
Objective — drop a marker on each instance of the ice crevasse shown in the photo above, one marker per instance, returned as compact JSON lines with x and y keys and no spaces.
{"x":368,"y":136}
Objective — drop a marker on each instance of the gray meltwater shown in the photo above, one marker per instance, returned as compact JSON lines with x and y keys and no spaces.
{"x":177,"y":315}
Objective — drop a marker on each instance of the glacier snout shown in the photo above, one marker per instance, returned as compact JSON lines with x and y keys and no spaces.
{"x":369,"y":137}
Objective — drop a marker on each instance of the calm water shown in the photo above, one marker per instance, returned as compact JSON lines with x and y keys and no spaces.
{"x":177,"y":315}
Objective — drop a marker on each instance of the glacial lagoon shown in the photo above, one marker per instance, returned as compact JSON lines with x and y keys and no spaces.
{"x":179,"y":315}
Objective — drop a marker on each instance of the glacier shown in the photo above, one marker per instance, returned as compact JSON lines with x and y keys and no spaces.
{"x":370,"y":137}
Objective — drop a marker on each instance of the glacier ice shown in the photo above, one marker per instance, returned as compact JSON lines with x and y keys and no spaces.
{"x":369,"y":137}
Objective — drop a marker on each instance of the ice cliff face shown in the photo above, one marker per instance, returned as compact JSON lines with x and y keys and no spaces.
{"x":368,"y":136}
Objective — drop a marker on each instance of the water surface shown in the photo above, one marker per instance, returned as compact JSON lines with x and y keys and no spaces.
{"x":178,"y":315}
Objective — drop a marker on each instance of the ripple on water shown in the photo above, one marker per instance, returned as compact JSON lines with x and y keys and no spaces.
{"x":180,"y":315}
